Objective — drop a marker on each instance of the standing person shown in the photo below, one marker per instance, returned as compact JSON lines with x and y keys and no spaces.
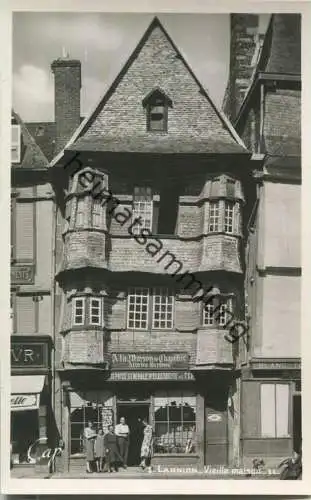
{"x":100,"y":450}
{"x":89,"y":436}
{"x":122,"y":432}
{"x":111,"y":449}
{"x":147,"y":446}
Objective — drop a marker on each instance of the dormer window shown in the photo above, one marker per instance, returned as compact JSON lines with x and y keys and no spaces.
{"x":15,"y":143}
{"x":157,"y":104}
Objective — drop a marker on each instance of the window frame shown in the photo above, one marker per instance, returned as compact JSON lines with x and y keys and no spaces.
{"x":229,"y":217}
{"x":100,"y":319}
{"x":74,"y":309}
{"x":138,"y":213}
{"x":17,"y":144}
{"x":132,"y":293}
{"x":81,"y":214}
{"x":219,"y":302}
{"x":167,"y":297}
{"x":150,"y":107}
{"x":99,"y":212}
{"x":212,"y":226}
{"x":150,"y":320}
{"x":275,"y":434}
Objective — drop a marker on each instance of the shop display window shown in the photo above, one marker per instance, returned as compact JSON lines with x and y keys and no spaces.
{"x":96,"y":411}
{"x":175,"y":422}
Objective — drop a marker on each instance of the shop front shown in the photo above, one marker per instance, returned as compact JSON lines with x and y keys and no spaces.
{"x":30,"y":397}
{"x":271,"y":410}
{"x":189,"y":421}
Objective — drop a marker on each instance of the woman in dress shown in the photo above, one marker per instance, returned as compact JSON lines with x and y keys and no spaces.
{"x":89,"y":440}
{"x":113,"y":457}
{"x":99,"y":450}
{"x":147,"y":446}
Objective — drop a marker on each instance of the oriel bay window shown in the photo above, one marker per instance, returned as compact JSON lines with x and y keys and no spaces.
{"x":175,"y":422}
{"x":150,"y":308}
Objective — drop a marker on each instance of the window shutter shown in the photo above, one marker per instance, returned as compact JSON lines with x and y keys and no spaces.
{"x":25,"y":231}
{"x":25,"y":309}
{"x":15,"y":143}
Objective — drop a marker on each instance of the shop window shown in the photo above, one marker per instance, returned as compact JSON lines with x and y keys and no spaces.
{"x":138,"y":304}
{"x":78,"y":311}
{"x":213,"y":225}
{"x":142,"y":209}
{"x":274,"y":405}
{"x":229,"y":210}
{"x":24,"y":433}
{"x":141,"y":301}
{"x":95,"y":311}
{"x":98,"y":410}
{"x":175,"y":422}
{"x":15,"y":143}
{"x":162,"y":310}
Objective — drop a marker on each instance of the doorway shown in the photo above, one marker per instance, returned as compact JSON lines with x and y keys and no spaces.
{"x":297,"y":422}
{"x":133,"y":413}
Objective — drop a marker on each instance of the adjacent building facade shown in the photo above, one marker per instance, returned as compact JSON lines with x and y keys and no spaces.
{"x":32,"y":284}
{"x":268,"y":119}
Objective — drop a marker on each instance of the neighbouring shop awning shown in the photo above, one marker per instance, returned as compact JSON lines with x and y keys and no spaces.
{"x":25,"y":392}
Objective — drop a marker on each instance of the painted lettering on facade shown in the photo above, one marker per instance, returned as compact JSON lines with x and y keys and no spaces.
{"x":22,"y":274}
{"x":145,"y":375}
{"x":150,"y":361}
{"x":28,"y":354}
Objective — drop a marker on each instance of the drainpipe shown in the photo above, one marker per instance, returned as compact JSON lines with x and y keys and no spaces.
{"x":261,"y":118}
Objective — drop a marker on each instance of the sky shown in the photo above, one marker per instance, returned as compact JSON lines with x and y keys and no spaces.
{"x":103,"y":42}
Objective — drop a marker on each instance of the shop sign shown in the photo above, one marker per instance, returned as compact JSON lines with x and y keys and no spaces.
{"x":28,"y":354}
{"x":23,"y":401}
{"x":149,"y":376}
{"x":149,"y":361}
{"x":214,"y":417}
{"x":22,"y":274}
{"x":275,"y":365}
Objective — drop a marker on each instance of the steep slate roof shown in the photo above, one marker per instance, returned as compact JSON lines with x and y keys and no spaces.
{"x":44,"y":135}
{"x":281,"y":52}
{"x":32,"y":158}
{"x":118,"y":123}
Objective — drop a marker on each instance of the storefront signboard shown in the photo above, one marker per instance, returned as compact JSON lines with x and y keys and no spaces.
{"x":29,"y":354}
{"x":267,"y":364}
{"x":21,"y":402}
{"x":149,"y":376}
{"x":149,"y":361}
{"x":22,"y":274}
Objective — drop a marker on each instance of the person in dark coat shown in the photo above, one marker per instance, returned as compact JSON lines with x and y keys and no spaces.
{"x":113,"y":457}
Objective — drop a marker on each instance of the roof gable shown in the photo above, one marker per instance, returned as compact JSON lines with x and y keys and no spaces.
{"x":155,"y":64}
{"x":32,"y":157}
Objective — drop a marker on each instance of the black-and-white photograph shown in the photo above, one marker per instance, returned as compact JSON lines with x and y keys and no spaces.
{"x":156,"y":246}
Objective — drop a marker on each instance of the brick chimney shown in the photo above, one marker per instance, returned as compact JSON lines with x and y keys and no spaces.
{"x":67,"y":74}
{"x":246,"y":41}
